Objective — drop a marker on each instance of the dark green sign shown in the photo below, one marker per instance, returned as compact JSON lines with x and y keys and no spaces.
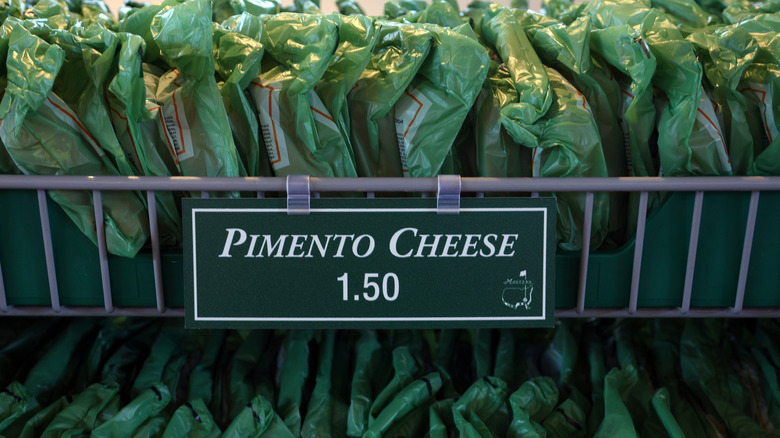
{"x":381,"y":263}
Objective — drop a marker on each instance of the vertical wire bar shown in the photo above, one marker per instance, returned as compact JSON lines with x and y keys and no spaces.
{"x":692,"y":247}
{"x":3,"y":301}
{"x":204,"y":195}
{"x":48,"y":249}
{"x":156,"y":261}
{"x":747,"y":247}
{"x":638,"y":248}
{"x":100,"y":229}
{"x":585,"y":255}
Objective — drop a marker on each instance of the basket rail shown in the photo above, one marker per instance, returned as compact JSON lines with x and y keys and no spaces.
{"x":427,"y":186}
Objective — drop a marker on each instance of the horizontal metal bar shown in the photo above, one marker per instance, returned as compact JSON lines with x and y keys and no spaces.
{"x":277,"y":184}
{"x":90,"y":311}
{"x":668,"y":312}
{"x":647,"y":312}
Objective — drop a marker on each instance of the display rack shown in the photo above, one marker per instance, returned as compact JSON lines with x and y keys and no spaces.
{"x":749,"y":191}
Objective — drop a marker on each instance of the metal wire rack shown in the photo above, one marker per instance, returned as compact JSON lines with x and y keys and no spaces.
{"x":428,"y":187}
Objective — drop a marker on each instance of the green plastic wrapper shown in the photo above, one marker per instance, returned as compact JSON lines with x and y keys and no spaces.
{"x":368,"y":354}
{"x":257,"y":419}
{"x":551,"y":116}
{"x":54,"y":13}
{"x":398,"y":55}
{"x":292,"y":378}
{"x":563,"y":10}
{"x":626,"y":51}
{"x":497,"y":153}
{"x":21,"y":346}
{"x":617,"y":419}
{"x":442,"y":13}
{"x":91,"y":408}
{"x":349,"y":7}
{"x":237,"y":59}
{"x":201,"y":381}
{"x":483,"y":352}
{"x":440,"y":419}
{"x":413,"y":397}
{"x":661,"y":405}
{"x":632,"y":341}
{"x":133,"y":416}
{"x":531,"y":404}
{"x":139,"y":23}
{"x":725,"y":56}
{"x":299,"y":133}
{"x":45,"y":137}
{"x":568,"y":420}
{"x":406,"y":369}
{"x":89,"y":60}
{"x":242,"y":388}
{"x":13,"y":403}
{"x":759,"y":84}
{"x":245,"y":24}
{"x":165,"y":349}
{"x":220,"y":388}
{"x":52,"y":373}
{"x":482,"y":410}
{"x":690,"y":140}
{"x":567,"y":49}
{"x":399,"y":8}
{"x":318,"y":418}
{"x":196,"y":124}
{"x":191,"y":420}
{"x":430,"y":112}
{"x":570,"y":146}
{"x":502,"y":31}
{"x":122,"y":365}
{"x":93,"y":12}
{"x":712,"y":379}
{"x":35,"y":425}
{"x":327,"y":411}
{"x":686,"y":12}
{"x":135,"y":119}
{"x":358,"y":35}
{"x":694,"y":421}
{"x":114,"y":336}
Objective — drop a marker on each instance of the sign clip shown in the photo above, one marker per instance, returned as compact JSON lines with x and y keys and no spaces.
{"x":448,"y":196}
{"x":298,"y":194}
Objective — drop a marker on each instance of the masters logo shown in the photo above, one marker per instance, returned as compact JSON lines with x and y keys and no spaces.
{"x":518,"y":292}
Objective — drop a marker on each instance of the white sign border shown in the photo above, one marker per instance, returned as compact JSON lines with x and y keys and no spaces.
{"x":370,"y":319}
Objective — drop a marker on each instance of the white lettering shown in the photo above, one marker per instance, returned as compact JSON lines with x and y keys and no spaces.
{"x":278,"y":246}
{"x":315,"y":240}
{"x":491,"y":246}
{"x":470,"y":244}
{"x":394,"y":242}
{"x":356,"y":246}
{"x":507,"y":243}
{"x":423,"y":244}
{"x":342,"y":239}
{"x":296,"y":245}
{"x":449,"y":244}
{"x":229,"y":241}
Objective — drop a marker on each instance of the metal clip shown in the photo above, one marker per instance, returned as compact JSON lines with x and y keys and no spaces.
{"x":298,"y":194}
{"x":448,"y":196}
